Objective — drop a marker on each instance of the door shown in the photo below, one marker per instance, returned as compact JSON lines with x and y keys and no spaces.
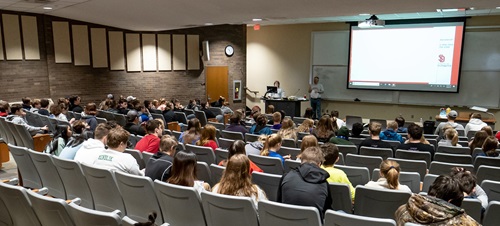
{"x":216,"y":82}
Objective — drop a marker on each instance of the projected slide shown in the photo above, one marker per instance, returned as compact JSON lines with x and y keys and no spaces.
{"x":418,"y":57}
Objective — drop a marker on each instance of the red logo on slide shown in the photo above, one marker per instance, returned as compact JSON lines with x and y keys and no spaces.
{"x":441,"y":58}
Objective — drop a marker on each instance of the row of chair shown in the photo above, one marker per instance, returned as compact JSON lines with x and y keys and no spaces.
{"x":17,"y":134}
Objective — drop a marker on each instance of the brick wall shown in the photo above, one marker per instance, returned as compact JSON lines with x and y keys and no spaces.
{"x":45,"y":78}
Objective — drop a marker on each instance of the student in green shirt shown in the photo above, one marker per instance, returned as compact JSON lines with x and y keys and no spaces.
{"x":331,"y":152}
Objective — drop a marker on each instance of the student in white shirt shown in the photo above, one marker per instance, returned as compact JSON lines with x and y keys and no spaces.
{"x":92,"y":147}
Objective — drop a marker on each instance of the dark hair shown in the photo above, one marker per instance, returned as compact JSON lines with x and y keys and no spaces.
{"x":415,"y":131}
{"x":91,"y":109}
{"x":357,"y":129}
{"x":101,"y":130}
{"x":4,"y":106}
{"x":331,"y":153}
{"x":466,"y":179}
{"x":183,"y":169}
{"x":401,"y":121}
{"x":44,"y":103}
{"x":26,"y":100}
{"x":237,"y":147}
{"x":478,"y":140}
{"x":334,"y":114}
{"x":152,"y":125}
{"x":15,"y":107}
{"x":72,"y":99}
{"x":447,"y":188}
{"x":489,"y":147}
{"x":62,"y":132}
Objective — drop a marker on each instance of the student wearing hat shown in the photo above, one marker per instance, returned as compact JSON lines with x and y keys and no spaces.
{"x":452,"y":115}
{"x":342,"y":137}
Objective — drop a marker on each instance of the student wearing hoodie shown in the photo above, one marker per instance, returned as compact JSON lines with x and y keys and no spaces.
{"x":342,"y":137}
{"x":391,"y":133}
{"x":91,"y":147}
{"x":475,"y":123}
{"x":160,"y":164}
{"x":452,"y":115}
{"x":307,"y":184}
{"x":89,"y":117}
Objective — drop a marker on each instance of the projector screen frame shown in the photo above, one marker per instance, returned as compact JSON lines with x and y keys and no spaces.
{"x":405,"y":22}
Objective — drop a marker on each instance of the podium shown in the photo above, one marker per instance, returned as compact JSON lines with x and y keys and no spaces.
{"x":291,"y":107}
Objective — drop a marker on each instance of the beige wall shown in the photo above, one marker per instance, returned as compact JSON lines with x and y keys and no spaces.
{"x":283,"y":52}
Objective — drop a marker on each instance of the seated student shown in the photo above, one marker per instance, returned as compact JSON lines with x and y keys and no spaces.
{"x":183,"y":172}
{"x":475,"y":123}
{"x":159,"y":165}
{"x":270,"y":109}
{"x":357,"y":129}
{"x":44,"y":105}
{"x":391,"y":134}
{"x":401,"y":123}
{"x":468,"y":183}
{"x":90,"y":148}
{"x":133,"y":125}
{"x":151,"y":142}
{"x":287,"y":130}
{"x":450,"y":137}
{"x":169,"y":113}
{"x":35,"y":106}
{"x":122,"y":106}
{"x":307,"y":185}
{"x":17,"y":116}
{"x":306,"y":126}
{"x":374,"y":141}
{"x":58,"y":111}
{"x":207,"y":138}
{"x":209,"y":114}
{"x":256,"y":147}
{"x":324,"y":130}
{"x":113,"y":157}
{"x":336,"y":120}
{"x":26,"y":103}
{"x":237,"y":180}
{"x":414,"y":140}
{"x":89,"y":117}
{"x":452,"y":115}
{"x":331,"y":153}
{"x":488,"y":130}
{"x":235,"y":123}
{"x":238,"y":147}
{"x":389,"y":177}
{"x":226,"y":109}
{"x":478,"y":140}
{"x":276,"y":121}
{"x":342,"y":137}
{"x":76,"y":140}
{"x":272,"y":145}
{"x":308,"y":113}
{"x":260,"y":126}
{"x":489,"y":147}
{"x":144,"y":114}
{"x":192,"y":133}
{"x":59,"y":141}
{"x":4,"y":108}
{"x":440,"y":207}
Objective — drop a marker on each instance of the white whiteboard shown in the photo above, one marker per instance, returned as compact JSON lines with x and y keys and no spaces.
{"x":479,"y":84}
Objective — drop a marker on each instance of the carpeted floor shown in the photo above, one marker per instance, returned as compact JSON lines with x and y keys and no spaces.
{"x":8,"y":170}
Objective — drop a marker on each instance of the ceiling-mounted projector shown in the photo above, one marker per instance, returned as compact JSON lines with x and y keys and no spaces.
{"x":372,"y":22}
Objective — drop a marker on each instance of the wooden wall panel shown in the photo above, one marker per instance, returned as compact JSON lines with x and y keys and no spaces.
{"x":1,"y":44}
{"x":133,"y":45}
{"x":164,"y":52}
{"x":193,"y":52}
{"x":62,"y":45}
{"x":116,"y":52}
{"x":179,"y":50}
{"x":81,"y":44}
{"x":30,"y":38}
{"x":12,"y":36}
{"x":99,"y":47}
{"x":149,"y":52}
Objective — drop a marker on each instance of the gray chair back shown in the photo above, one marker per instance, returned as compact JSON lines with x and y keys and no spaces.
{"x":274,"y":213}
{"x":289,"y":143}
{"x":492,"y":189}
{"x":356,"y":175}
{"x":267,"y":182}
{"x":225,"y":143}
{"x":350,"y":120}
{"x":48,"y":173}
{"x":25,"y":166}
{"x":486,"y":161}
{"x":382,"y":152}
{"x":203,"y":173}
{"x":347,"y":149}
{"x":371,"y":162}
{"x":181,"y":116}
{"x":336,"y":218}
{"x":406,"y":165}
{"x":216,"y":172}
{"x":180,"y":205}
{"x":291,"y":165}
{"x":88,"y":217}
{"x":268,"y":164}
{"x":453,"y":158}
{"x":341,"y":197}
{"x":440,"y":168}
{"x":251,"y":137}
{"x":428,"y":180}
{"x":487,"y":173}
{"x":200,"y":115}
{"x":203,"y":154}
{"x":293,"y":152}
{"x":137,"y":156}
{"x":225,"y":210}
{"x":19,"y":207}
{"x":105,"y":192}
{"x":69,"y":170}
{"x":232,"y":135}
{"x":386,"y":201}
{"x":491,"y":216}
{"x":138,"y":196}
{"x":414,"y":155}
{"x":50,"y":211}
{"x":453,"y":150}
{"x":473,"y":208}
{"x":220,"y":154}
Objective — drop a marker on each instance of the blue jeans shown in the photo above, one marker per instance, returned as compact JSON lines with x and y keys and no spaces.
{"x":316,"y":106}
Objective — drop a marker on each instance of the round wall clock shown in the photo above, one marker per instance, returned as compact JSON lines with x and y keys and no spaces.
{"x":229,"y":50}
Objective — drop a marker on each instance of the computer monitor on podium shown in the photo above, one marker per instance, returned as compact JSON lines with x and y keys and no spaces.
{"x":272,"y":89}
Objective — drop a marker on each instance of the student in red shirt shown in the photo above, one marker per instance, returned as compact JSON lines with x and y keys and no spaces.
{"x":238,"y":147}
{"x":151,"y":142}
{"x":207,"y":138}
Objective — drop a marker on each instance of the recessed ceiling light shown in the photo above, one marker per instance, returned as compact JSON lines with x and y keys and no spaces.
{"x":364,"y":14}
{"x":256,"y":19}
{"x":449,"y":10}
{"x":47,"y":7}
{"x":209,"y":24}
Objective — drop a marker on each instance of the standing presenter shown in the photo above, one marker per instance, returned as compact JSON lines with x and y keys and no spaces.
{"x":315,"y":91}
